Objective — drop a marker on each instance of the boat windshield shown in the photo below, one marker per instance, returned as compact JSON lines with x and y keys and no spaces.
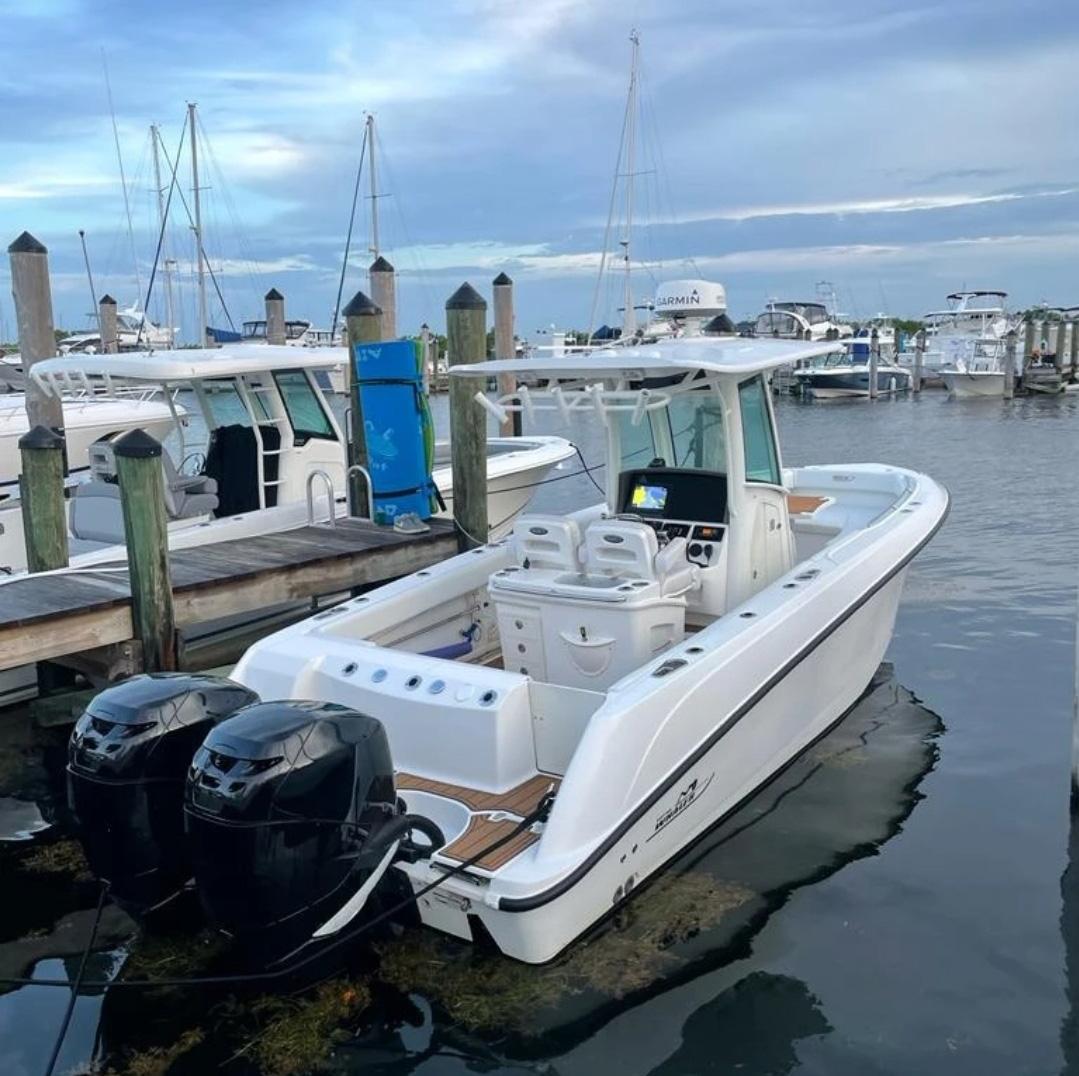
{"x":777,"y":323}
{"x":688,"y":432}
{"x":814,"y":313}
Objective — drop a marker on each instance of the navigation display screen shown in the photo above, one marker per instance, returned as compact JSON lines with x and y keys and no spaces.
{"x":649,"y":498}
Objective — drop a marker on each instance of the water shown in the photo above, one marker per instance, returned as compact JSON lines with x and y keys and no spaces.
{"x":893,"y":905}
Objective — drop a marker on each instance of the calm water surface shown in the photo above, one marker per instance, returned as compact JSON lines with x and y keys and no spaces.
{"x":897,"y":903}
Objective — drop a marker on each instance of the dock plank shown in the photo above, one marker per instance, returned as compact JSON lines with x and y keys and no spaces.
{"x":50,"y":616}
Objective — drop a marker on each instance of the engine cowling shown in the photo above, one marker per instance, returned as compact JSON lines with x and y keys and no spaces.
{"x":128,"y":758}
{"x":291,"y":816}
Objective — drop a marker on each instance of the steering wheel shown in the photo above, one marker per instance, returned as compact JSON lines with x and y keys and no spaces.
{"x":196,"y":460}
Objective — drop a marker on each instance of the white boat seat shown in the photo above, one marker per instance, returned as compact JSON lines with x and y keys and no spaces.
{"x":96,"y":513}
{"x":547,"y":542}
{"x":621,"y":547}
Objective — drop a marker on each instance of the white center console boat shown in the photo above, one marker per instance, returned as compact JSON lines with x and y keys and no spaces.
{"x":561,"y":712}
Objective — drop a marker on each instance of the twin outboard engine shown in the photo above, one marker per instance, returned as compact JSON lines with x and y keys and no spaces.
{"x":291,"y":817}
{"x":127,"y":762}
{"x":285,"y":814}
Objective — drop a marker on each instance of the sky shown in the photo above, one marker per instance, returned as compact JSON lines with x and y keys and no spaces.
{"x":899,"y":151}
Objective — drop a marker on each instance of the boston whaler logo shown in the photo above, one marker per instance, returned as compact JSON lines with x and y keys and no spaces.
{"x":686,"y":798}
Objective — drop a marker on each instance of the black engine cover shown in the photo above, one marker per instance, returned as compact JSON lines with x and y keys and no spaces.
{"x":128,"y":757}
{"x":288,"y":809}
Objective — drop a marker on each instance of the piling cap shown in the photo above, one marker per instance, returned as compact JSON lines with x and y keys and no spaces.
{"x":501,"y":281}
{"x":360,"y":306}
{"x":274,"y":296}
{"x":380,"y":265}
{"x":27,"y":244}
{"x":137,"y":445}
{"x":41,"y":437}
{"x":106,"y":300}
{"x":466,"y":298}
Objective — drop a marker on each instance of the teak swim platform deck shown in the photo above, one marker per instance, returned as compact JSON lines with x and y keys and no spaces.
{"x":56,"y":615}
{"x":482,"y":829}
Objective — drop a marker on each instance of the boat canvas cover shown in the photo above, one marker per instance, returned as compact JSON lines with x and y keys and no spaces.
{"x":398,"y":428}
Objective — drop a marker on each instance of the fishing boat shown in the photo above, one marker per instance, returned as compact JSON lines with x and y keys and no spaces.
{"x":269,"y":437}
{"x":522,"y":736}
{"x":87,"y":419}
{"x":862,"y":340}
{"x":841,"y":375}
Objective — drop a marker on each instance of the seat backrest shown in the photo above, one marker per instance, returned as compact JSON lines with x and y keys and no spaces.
{"x":621,"y":547}
{"x":547,"y":542}
{"x":96,"y":513}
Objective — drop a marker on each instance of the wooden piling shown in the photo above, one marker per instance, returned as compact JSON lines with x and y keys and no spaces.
{"x":505,"y":349}
{"x":874,"y":359}
{"x":106,"y":319}
{"x":466,"y":333}
{"x":1009,"y":365}
{"x":919,"y":360}
{"x":1059,"y":345}
{"x":363,"y":325}
{"x":41,"y":492}
{"x":142,"y":497}
{"x":1073,"y":350}
{"x":275,"y":318}
{"x":384,"y":294}
{"x":33,"y":311}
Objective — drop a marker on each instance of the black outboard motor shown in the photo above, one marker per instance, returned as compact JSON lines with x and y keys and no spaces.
{"x":127,"y":761}
{"x":292,"y":817}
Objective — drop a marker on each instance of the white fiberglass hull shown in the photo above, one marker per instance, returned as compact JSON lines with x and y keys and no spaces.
{"x":974,"y":384}
{"x":671,"y":749}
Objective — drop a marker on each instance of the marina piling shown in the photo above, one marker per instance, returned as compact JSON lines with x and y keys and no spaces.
{"x":874,"y":359}
{"x":41,"y":491}
{"x":504,"y":348}
{"x":1009,"y":365}
{"x":1028,"y":343}
{"x":142,"y":497}
{"x":466,"y":333}
{"x":363,"y":324}
{"x":33,"y":310}
{"x":106,"y":319}
{"x":428,"y":360}
{"x":275,"y":317}
{"x":919,"y":361}
{"x":384,"y":295}
{"x":1073,"y":350}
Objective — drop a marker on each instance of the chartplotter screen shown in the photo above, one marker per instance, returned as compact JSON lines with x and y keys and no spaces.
{"x":649,"y":498}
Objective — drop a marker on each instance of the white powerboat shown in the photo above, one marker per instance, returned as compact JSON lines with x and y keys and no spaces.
{"x":521,"y":736}
{"x":966,"y":338}
{"x":800,"y":321}
{"x":134,"y":332}
{"x":862,"y":340}
{"x":87,"y":419}
{"x":840,"y":375}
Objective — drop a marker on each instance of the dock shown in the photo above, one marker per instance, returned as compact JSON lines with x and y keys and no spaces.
{"x":84,"y":618}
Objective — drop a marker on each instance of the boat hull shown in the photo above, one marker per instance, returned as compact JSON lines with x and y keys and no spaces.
{"x":853,"y":382}
{"x":973,"y":385}
{"x":748,"y":750}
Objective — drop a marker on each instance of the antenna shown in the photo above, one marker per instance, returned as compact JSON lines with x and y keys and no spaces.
{"x":123,"y":178}
{"x":629,"y":317}
{"x":374,"y":184}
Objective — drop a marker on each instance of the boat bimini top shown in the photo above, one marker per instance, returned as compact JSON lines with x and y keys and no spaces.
{"x":178,"y":368}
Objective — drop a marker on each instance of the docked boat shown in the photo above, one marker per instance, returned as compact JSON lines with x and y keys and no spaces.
{"x":134,"y":332}
{"x":800,"y":321}
{"x":87,"y":419}
{"x":840,"y":375}
{"x":862,"y":341}
{"x":522,"y":736}
{"x":968,"y":380}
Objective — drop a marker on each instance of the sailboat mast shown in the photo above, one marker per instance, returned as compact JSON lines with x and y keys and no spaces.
{"x":374,"y":184}
{"x":198,"y":225}
{"x":155,"y":137}
{"x":629,"y":315}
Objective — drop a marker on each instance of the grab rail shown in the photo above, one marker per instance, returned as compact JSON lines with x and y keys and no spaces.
{"x":358,"y":468}
{"x":319,"y":473}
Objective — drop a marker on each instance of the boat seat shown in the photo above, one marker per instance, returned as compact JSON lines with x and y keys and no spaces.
{"x":547,"y":542}
{"x":187,"y":495}
{"x":626,"y":549}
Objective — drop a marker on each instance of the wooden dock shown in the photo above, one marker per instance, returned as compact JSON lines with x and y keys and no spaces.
{"x":83,"y":618}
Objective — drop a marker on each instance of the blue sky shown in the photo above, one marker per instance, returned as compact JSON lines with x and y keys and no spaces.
{"x":898,"y":150}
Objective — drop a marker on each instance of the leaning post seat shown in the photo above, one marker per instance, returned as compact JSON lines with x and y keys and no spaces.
{"x":588,"y":628}
{"x":547,"y":542}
